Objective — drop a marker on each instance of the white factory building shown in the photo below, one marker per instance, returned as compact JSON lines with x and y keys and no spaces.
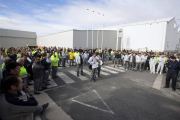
{"x":156,"y":35}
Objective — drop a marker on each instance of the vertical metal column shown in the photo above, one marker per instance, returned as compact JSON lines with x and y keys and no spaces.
{"x":1,"y":62}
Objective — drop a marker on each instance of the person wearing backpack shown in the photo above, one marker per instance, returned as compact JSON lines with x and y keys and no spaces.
{"x":93,"y":61}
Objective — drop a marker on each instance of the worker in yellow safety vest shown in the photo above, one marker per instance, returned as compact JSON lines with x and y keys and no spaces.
{"x":71,"y":58}
{"x":54,"y":65}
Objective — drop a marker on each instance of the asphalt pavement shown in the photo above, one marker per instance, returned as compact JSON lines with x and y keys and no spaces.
{"x":124,"y":95}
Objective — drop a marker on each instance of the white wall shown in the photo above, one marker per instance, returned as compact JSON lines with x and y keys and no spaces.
{"x":109,"y":39}
{"x":172,"y":37}
{"x":62,"y":39}
{"x":144,"y":35}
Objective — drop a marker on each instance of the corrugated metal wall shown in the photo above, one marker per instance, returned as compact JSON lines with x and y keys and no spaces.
{"x":109,"y":38}
{"x":15,"y":38}
{"x":62,"y":39}
{"x":17,"y":33}
{"x":7,"y":42}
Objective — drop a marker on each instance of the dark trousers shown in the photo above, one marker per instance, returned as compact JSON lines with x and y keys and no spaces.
{"x":143,"y":65}
{"x":80,"y":66}
{"x":71,"y":61}
{"x":45,"y":78}
{"x":99,"y":70}
{"x":131,"y":65}
{"x":172,"y":75}
{"x":63,"y":62}
{"x":54,"y":72}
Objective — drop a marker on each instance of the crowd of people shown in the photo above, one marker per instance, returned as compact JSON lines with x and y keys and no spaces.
{"x":23,"y":65}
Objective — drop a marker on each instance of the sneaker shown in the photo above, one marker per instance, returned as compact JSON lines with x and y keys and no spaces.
{"x":126,"y":69}
{"x":156,"y":72}
{"x":160,"y":73}
{"x":165,"y":87}
{"x":44,"y":107}
{"x":37,"y":93}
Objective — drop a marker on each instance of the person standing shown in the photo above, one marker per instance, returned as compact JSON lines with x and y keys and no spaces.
{"x":152,"y":63}
{"x":116,"y":60}
{"x":143,"y":61}
{"x":138,"y":62}
{"x":63,"y":58}
{"x":54,"y":65}
{"x":79,"y":61}
{"x":85,"y":56}
{"x":93,"y":61}
{"x":104,"y":56}
{"x":45,"y":71}
{"x":126,"y":61}
{"x":173,"y":70}
{"x":131,"y":61}
{"x":99,"y":64}
{"x":37,"y":68}
{"x":49,"y":61}
{"x":161,"y":64}
{"x":71,"y":58}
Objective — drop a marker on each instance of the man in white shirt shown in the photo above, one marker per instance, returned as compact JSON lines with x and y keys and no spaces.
{"x":126,"y":61}
{"x":79,"y":61}
{"x":152,"y":63}
{"x":99,"y":64}
{"x":138,"y":62}
{"x":161,"y":64}
{"x":93,"y":61}
{"x":86,"y":56}
{"x":143,"y":61}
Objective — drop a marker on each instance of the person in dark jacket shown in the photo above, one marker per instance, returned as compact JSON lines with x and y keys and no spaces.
{"x":117,"y":57}
{"x":28,"y":67}
{"x":16,"y":104}
{"x":104,"y":57}
{"x":12,"y":56}
{"x":173,"y":70}
{"x":37,"y":68}
{"x":45,"y":71}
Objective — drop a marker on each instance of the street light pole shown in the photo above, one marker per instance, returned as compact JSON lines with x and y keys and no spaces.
{"x":98,"y":33}
{"x":87,"y":30}
{"x":92,"y":30}
{"x":102,"y":34}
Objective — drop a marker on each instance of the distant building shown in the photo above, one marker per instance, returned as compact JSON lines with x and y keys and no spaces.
{"x":16,"y":38}
{"x":156,"y":35}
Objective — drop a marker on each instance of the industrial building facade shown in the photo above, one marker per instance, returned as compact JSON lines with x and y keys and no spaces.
{"x":16,"y":38}
{"x":78,"y":38}
{"x":156,"y":35}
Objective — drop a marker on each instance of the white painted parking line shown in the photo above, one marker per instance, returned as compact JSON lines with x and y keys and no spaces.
{"x":157,"y":82}
{"x":115,"y":69}
{"x":65,"y":78}
{"x":87,"y":72}
{"x":107,"y":70}
{"x":52,"y":82}
{"x":80,"y":76}
{"x":53,"y":112}
{"x":104,"y":73}
{"x":91,"y":106}
{"x":38,"y":118}
{"x":120,"y":67}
